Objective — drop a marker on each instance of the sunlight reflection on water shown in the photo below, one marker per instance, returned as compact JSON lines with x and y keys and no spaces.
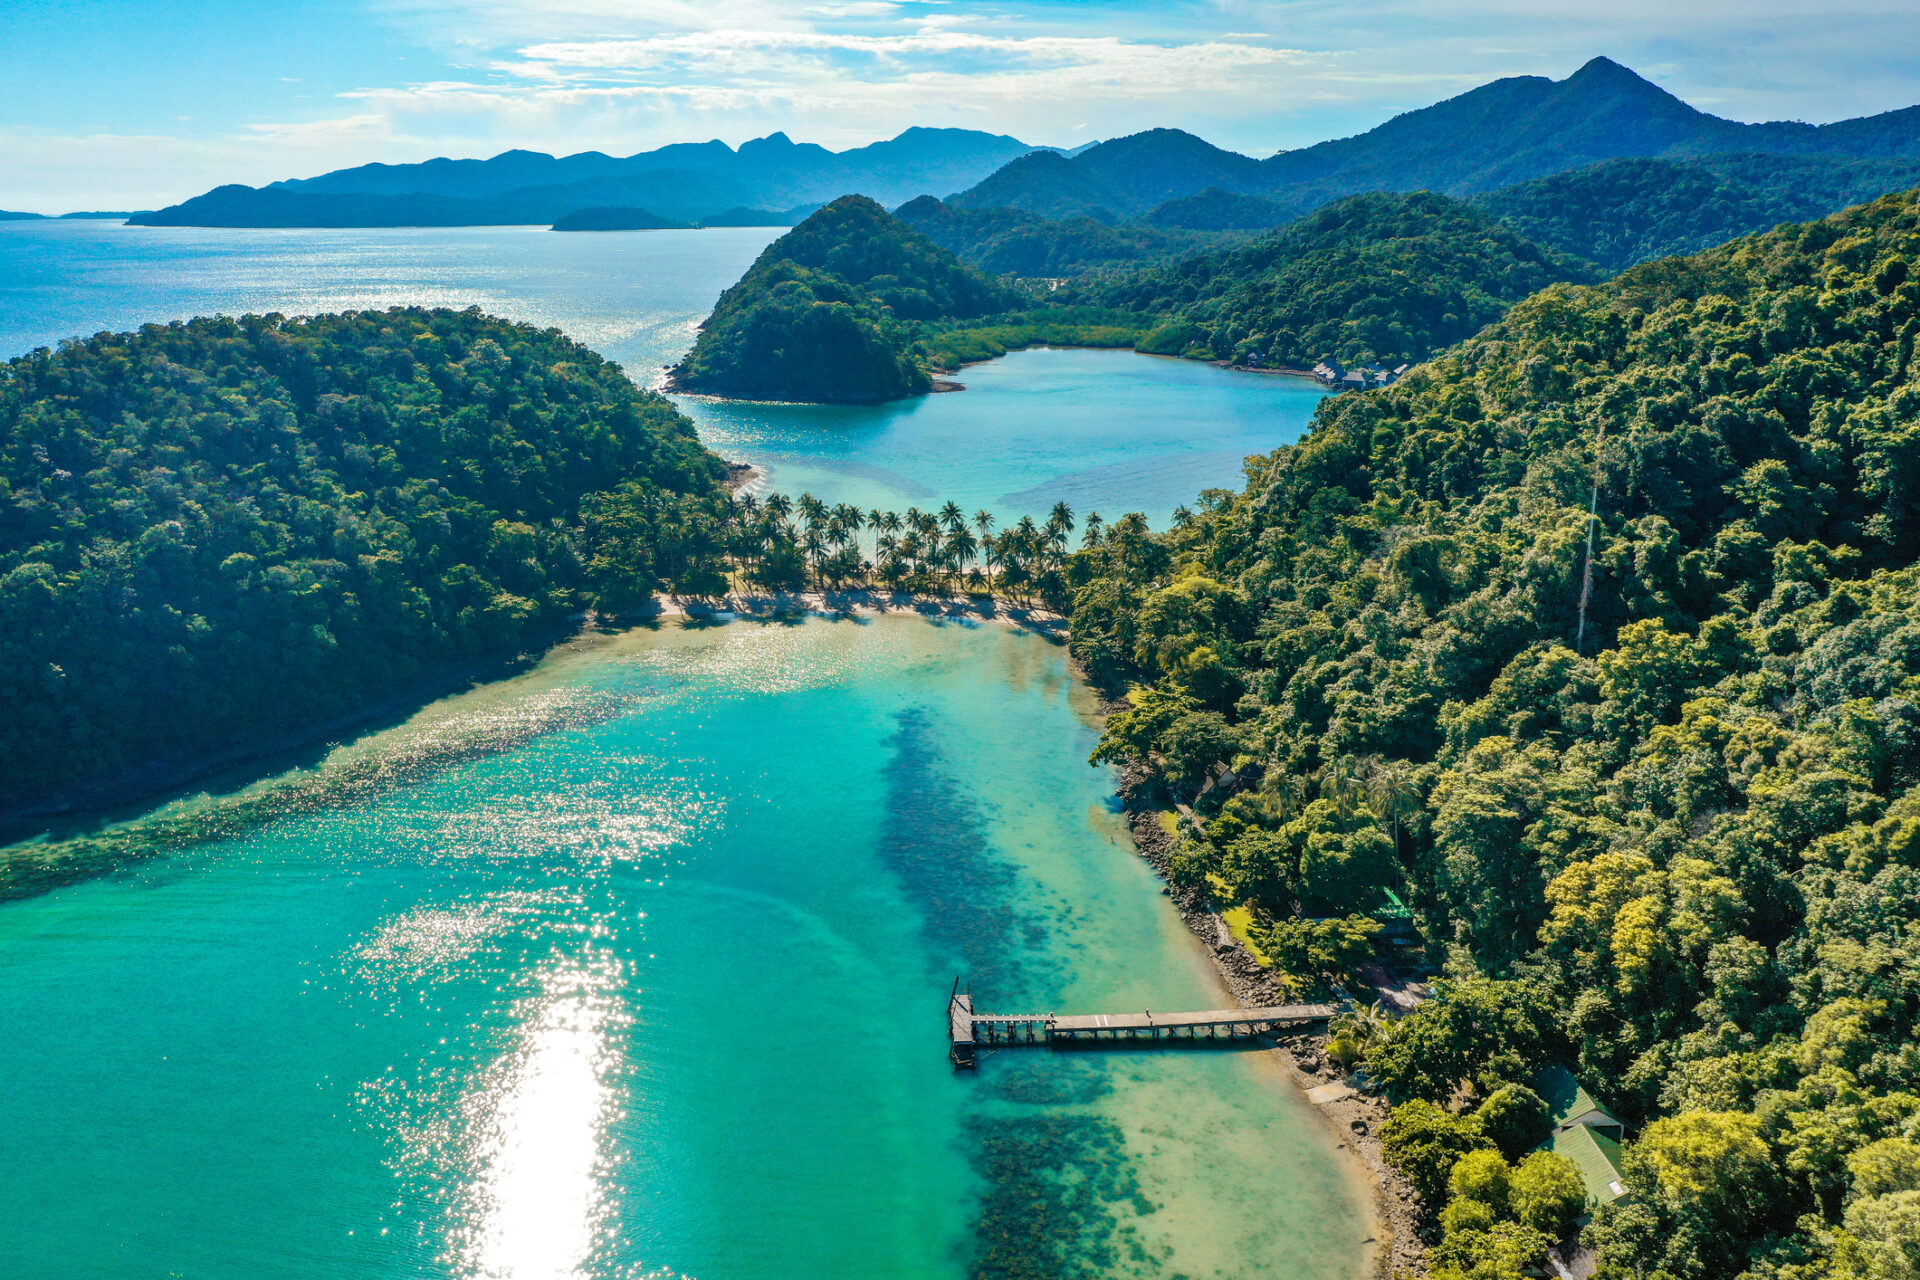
{"x":538,"y":1205}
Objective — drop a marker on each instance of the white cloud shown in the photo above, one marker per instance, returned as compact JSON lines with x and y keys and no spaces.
{"x":624,"y":75}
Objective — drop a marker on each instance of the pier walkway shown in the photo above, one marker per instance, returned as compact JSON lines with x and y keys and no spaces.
{"x":968,"y":1031}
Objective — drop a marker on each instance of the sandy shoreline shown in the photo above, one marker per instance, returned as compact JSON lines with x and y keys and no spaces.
{"x":1353,"y":1119}
{"x":852,"y":603}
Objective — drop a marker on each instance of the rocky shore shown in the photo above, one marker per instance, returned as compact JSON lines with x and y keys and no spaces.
{"x":1356,"y":1117}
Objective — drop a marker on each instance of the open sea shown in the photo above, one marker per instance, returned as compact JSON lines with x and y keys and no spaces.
{"x":635,"y":965}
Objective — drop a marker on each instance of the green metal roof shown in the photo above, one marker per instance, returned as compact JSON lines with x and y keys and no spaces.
{"x":1566,"y":1098}
{"x":1596,"y":1156}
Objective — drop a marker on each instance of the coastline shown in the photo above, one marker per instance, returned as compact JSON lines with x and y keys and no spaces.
{"x":1353,"y":1119}
{"x":104,"y":802}
{"x":853,"y":602}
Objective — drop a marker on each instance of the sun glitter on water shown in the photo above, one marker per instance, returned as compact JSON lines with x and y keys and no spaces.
{"x":538,"y":1206}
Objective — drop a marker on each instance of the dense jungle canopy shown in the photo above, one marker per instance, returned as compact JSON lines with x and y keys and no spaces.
{"x":215,"y":530}
{"x":1665,"y":830}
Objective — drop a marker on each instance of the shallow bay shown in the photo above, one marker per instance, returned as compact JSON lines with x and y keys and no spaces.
{"x":633,"y":965}
{"x":656,"y":991}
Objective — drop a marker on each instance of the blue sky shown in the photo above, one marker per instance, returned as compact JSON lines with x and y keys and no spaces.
{"x":135,"y":103}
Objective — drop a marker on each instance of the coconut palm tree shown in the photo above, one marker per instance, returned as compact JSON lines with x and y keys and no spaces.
{"x":1091,"y":538}
{"x":1393,"y":792}
{"x":1341,"y":783}
{"x":960,"y":548}
{"x":1061,"y":516}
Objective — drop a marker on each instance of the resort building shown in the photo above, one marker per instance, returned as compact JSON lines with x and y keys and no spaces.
{"x":1584,"y":1132}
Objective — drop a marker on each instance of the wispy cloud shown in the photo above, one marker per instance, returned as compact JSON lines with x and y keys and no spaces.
{"x":623,"y":75}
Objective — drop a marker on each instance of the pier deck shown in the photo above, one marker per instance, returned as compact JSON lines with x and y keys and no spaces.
{"x":968,"y":1031}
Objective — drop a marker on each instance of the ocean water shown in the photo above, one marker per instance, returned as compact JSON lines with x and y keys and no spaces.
{"x":636,"y":966}
{"x":1111,"y":431}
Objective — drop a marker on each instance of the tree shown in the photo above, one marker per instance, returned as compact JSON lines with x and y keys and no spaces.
{"x":1713,"y":1163}
{"x":1881,"y":1240}
{"x":1548,"y":1194}
{"x":1424,"y":1142}
{"x":1466,"y":1026}
{"x":1484,"y":1176}
{"x":1515,"y":1119}
{"x":1503,"y":1251}
{"x":1889,"y":1165}
{"x":1328,"y":948}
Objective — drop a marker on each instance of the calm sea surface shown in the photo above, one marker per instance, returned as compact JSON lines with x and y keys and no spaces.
{"x":1101,"y":430}
{"x":633,"y":966}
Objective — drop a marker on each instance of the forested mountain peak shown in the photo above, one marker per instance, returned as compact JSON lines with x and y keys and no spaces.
{"x":820,"y":315}
{"x":1503,"y":132}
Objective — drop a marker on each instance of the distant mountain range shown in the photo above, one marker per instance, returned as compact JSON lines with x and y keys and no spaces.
{"x":686,"y":182}
{"x":7,"y":215}
{"x":1509,"y":131}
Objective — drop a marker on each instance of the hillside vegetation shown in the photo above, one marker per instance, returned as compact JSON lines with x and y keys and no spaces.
{"x":826,"y":312}
{"x":1623,"y":212}
{"x":223,"y":529}
{"x":1017,"y":242}
{"x":1672,"y":838}
{"x":1375,"y":277}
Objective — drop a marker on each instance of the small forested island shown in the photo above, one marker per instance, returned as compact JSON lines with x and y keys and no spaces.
{"x":215,"y":531}
{"x":621,"y":218}
{"x":1376,"y":277}
{"x":1596,"y":641}
{"x":825,"y":313}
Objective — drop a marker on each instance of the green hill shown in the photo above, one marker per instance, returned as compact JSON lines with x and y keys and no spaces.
{"x":219,"y":531}
{"x":1662,"y":824}
{"x":1621,"y":212}
{"x":1217,"y":210}
{"x":827,"y":313}
{"x":1377,"y":277}
{"x":1019,"y":242}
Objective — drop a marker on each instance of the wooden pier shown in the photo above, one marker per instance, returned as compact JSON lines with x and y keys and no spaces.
{"x":968,"y":1031}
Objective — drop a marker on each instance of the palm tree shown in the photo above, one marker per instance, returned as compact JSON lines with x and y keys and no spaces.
{"x":1286,"y":792}
{"x":812,"y":510}
{"x":1061,"y":516}
{"x":951,"y":516}
{"x":1091,"y":538}
{"x":960,"y":548}
{"x":1394,"y":793}
{"x":812,"y":545}
{"x":1340,"y":782}
{"x":779,"y":506}
{"x":983,"y":521}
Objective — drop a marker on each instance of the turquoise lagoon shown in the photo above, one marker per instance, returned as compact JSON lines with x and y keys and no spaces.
{"x":1111,"y":431}
{"x":634,"y":965}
